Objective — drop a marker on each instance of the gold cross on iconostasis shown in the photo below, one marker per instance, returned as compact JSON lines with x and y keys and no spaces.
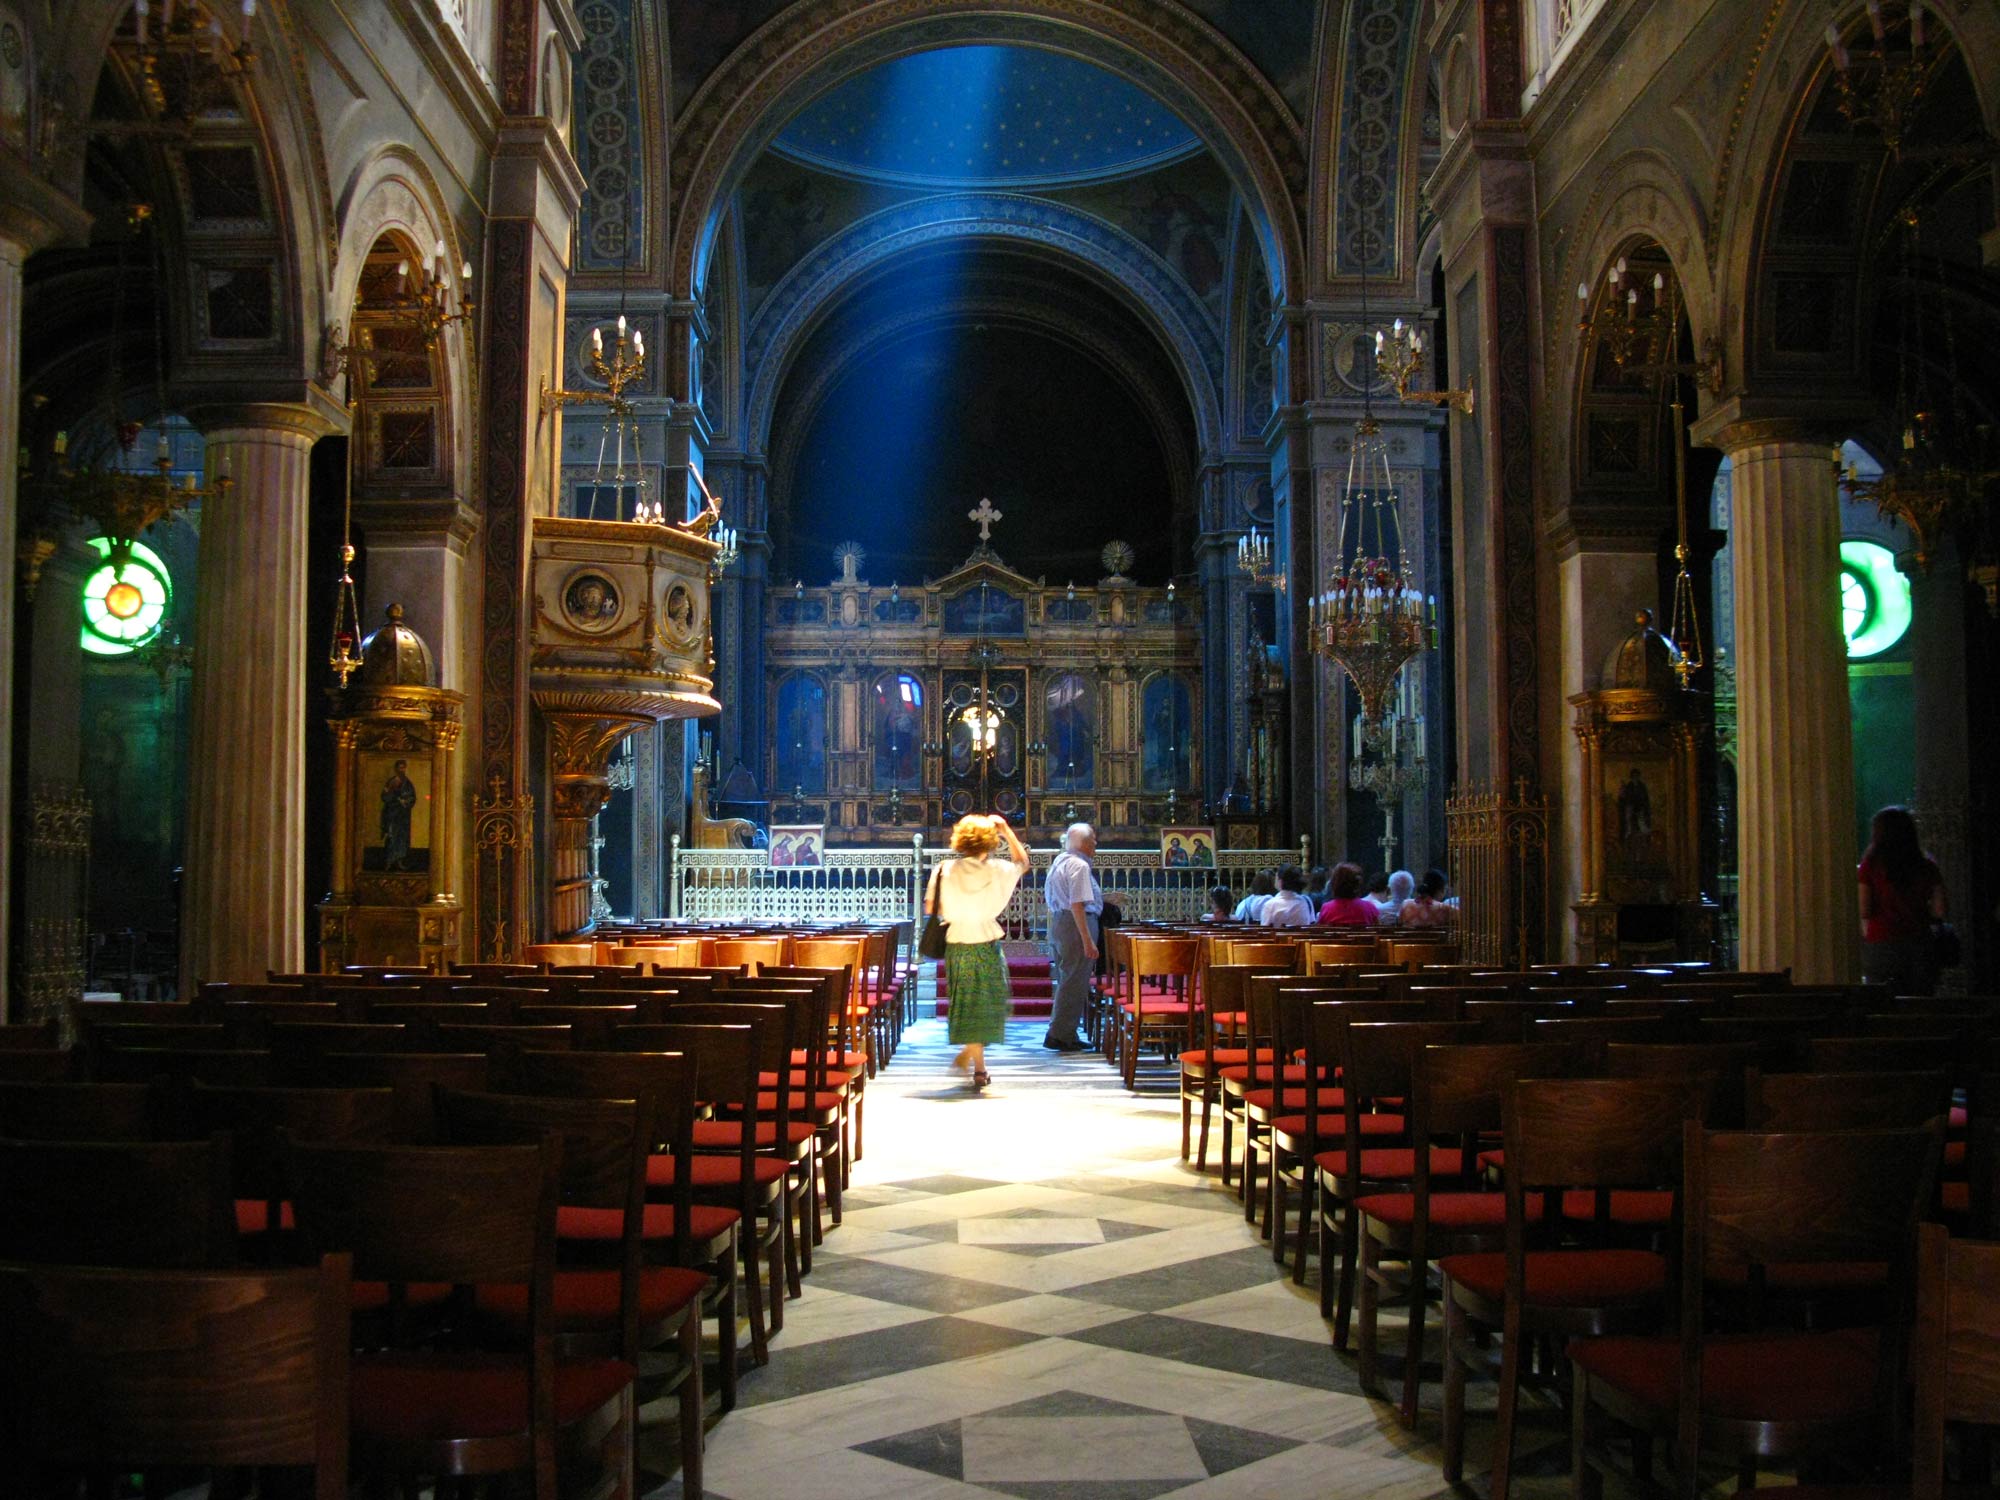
{"x":985,"y":515}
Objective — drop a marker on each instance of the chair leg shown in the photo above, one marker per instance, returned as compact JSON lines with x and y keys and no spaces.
{"x":1275,"y":1211}
{"x":792,"y":1206}
{"x":726,"y":1361}
{"x":1455,"y":1354}
{"x":1201,"y":1143}
{"x":692,"y":1401}
{"x":775,"y":1283}
{"x":1324,"y":1218}
{"x":1187,"y":1122}
{"x":1344,"y":1297}
{"x":1505,"y":1407}
{"x":1228,"y":1138}
{"x":750,"y":1268}
{"x":1585,"y":1483}
{"x":1365,"y":1316}
{"x":1308,"y":1208}
{"x":1413,"y":1362}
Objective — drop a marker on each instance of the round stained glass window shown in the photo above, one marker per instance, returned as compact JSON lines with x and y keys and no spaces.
{"x":1874,"y":599}
{"x":125,"y":599}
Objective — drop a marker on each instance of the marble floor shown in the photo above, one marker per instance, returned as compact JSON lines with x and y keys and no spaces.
{"x":1032,"y":1296}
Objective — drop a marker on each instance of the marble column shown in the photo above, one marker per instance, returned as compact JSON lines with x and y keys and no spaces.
{"x":243,"y":897}
{"x":12,"y":255}
{"x":1795,"y":772}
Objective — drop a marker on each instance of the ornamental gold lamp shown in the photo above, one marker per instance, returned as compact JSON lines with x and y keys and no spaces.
{"x":394,"y":836}
{"x":1641,"y":898}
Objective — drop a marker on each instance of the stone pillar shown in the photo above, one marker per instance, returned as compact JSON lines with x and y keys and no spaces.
{"x":32,"y":215}
{"x":1794,"y":743}
{"x":243,"y":902}
{"x":56,"y":832}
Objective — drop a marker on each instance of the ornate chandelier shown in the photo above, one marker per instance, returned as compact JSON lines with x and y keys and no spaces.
{"x":626,"y":367}
{"x":1881,"y":91}
{"x":1371,"y":618}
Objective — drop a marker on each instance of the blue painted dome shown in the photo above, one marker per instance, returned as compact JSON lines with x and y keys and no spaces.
{"x":990,"y":116}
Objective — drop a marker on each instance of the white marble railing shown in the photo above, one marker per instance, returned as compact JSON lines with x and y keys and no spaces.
{"x":886,"y":885}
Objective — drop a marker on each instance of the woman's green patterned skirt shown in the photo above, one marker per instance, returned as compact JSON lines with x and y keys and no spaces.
{"x":976,"y":976}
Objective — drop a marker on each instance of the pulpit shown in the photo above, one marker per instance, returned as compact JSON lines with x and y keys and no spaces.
{"x":394,"y":733}
{"x":1641,"y":875}
{"x":621,"y":640}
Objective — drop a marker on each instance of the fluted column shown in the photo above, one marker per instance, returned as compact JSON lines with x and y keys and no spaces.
{"x":1795,"y":758}
{"x":12,"y":254}
{"x":243,"y":886}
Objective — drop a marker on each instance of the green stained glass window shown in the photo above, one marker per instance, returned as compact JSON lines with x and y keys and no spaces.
{"x":125,"y":598}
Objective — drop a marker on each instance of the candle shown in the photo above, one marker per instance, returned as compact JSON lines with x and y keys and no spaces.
{"x":140,"y":10}
{"x":1583,"y":291}
{"x":597,"y":341}
{"x":621,"y":325}
{"x":1834,"y":46}
{"x":639,"y":341}
{"x":1875,"y":22}
{"x":1916,"y":23}
{"x":249,"y":10}
{"x":465,"y":271}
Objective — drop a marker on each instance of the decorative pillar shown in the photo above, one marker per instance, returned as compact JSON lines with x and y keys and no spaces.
{"x":32,"y":215}
{"x":1794,"y":742}
{"x":55,"y":901}
{"x":243,"y":903}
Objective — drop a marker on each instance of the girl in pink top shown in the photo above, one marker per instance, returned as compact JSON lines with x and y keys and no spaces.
{"x":1348,"y":907}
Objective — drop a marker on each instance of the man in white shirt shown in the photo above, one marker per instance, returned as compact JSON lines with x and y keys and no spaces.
{"x":1075,"y":902}
{"x":1289,"y":908}
{"x":1262,"y":888}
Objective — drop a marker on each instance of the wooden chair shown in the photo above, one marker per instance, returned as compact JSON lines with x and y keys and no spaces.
{"x":1263,"y":1066}
{"x":43,"y":1037}
{"x":259,"y":1123}
{"x":80,"y":1112}
{"x":468,"y":1216}
{"x":757,"y":1186}
{"x":752,"y":953}
{"x":1223,"y":1019}
{"x":560,"y":953}
{"x":591,"y":1026}
{"x":1562,"y":1135}
{"x":151,"y":1371}
{"x":818,"y":1076}
{"x":616,"y":1311}
{"x":413,"y":1077}
{"x":1953,"y":1355}
{"x":707,"y":1237}
{"x":1273,"y":956}
{"x":1167,"y":1020}
{"x":1752,"y":1200}
{"x":181,"y":1065}
{"x":41,"y":1065}
{"x":154,"y":1205}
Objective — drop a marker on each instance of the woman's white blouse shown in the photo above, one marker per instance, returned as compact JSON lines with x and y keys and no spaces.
{"x":971,"y":895}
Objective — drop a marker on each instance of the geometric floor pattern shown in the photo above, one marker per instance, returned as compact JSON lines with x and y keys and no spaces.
{"x":1031,"y":1295}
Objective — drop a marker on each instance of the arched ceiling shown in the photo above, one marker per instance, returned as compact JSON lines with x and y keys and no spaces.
{"x":986,"y":116}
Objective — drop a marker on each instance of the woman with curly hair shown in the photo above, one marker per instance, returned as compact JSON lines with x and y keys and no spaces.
{"x":970,"y":893}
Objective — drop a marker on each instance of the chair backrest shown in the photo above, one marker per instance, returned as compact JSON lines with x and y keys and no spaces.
{"x":605,"y":1143}
{"x":1594,"y":1033}
{"x":467,"y":1215}
{"x":663,"y":1081}
{"x":756,"y":953}
{"x":487,"y":973}
{"x":491,"y":1037}
{"x":1722,"y":1067}
{"x":147,"y":1370}
{"x":1507,"y":1019}
{"x":259,"y":1121}
{"x":1886,"y":1054}
{"x":41,"y":1065}
{"x":411,"y":1076}
{"x":183,"y":1065}
{"x":560,"y":953}
{"x":591,"y":1026}
{"x":79,"y":1112}
{"x":1596,"y":1132}
{"x":1845,"y":1101}
{"x":135,"y":1013}
{"x":104,"y":1038}
{"x":1758,"y":1199}
{"x":303,"y":1043}
{"x":249,"y":1022}
{"x":31,"y":1038}
{"x":423,"y":1017}
{"x":1376,"y":1050}
{"x":163,"y":1205}
{"x":1956,"y":1351}
{"x":1273,"y":957}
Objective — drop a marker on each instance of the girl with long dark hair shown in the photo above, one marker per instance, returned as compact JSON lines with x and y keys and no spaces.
{"x":1902,"y":896}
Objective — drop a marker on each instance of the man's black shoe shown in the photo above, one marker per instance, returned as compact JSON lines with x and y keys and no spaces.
{"x":1057,"y":1044}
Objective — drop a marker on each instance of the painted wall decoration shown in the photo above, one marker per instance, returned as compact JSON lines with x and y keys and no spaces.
{"x":607,"y":135}
{"x":899,"y":733}
{"x":984,"y":611}
{"x":1276,"y":35}
{"x":789,"y":210}
{"x":1071,"y":733}
{"x":1187,"y":848}
{"x":1180,"y":213}
{"x":1379,"y":41}
{"x":798,"y":846}
{"x":394,"y":793}
{"x":1167,"y":716}
{"x":800,"y":734}
{"x":700,"y":33}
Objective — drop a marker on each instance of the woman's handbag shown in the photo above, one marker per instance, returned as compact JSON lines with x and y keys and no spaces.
{"x":930,"y":944}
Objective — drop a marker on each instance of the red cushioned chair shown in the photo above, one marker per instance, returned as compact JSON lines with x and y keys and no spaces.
{"x":155,"y":1372}
{"x":704,"y":1238}
{"x":612,"y":1305}
{"x":1252,"y":1091}
{"x":1554,"y":1279}
{"x":140,"y":1204}
{"x":1166,"y":1016}
{"x":1390,"y":1212}
{"x":480,"y":1216}
{"x":1224,"y":1021}
{"x":1754,"y":1200}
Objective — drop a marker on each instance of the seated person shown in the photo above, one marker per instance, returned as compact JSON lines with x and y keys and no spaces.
{"x":1401,"y":885}
{"x":1428,"y":907}
{"x":1289,"y":908}
{"x":1347,"y":907}
{"x":1221,"y":904}
{"x":1263,"y":886}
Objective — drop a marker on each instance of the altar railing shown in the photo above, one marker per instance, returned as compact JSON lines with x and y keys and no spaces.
{"x":887,"y":885}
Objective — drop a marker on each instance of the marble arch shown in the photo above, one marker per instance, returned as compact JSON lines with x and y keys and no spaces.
{"x":1127,"y":267}
{"x":393,"y":192}
{"x":1180,"y":462}
{"x":811,"y":46}
{"x":1788,"y":68}
{"x":285,"y":124}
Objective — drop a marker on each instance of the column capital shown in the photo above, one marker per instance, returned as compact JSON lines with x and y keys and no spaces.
{"x":311,"y":418}
{"x":35,"y":215}
{"x":1750,"y":421}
